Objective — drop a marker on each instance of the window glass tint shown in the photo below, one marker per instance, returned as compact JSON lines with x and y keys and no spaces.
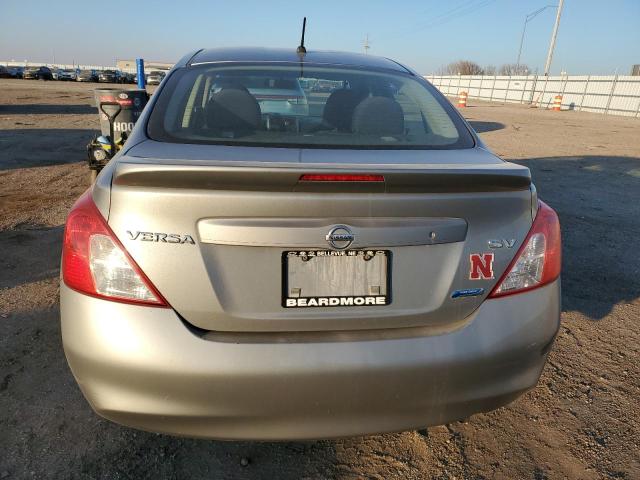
{"x":317,"y":107}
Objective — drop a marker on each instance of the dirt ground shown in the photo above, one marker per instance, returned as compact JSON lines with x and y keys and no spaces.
{"x":581,"y":422}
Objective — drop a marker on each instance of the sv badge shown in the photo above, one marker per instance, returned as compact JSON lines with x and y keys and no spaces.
{"x":506,"y":243}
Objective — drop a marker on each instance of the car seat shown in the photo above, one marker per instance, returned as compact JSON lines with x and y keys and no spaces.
{"x":380,"y":116}
{"x":233,"y":110}
{"x":339,"y":108}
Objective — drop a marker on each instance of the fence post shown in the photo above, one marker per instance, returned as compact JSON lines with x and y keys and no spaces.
{"x":493,"y":85}
{"x":506,"y":93}
{"x":613,"y":87}
{"x":524,"y":87}
{"x":544,"y":89}
{"x":533,"y":88}
{"x":584,"y":92}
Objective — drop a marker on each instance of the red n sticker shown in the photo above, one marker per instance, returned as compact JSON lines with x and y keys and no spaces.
{"x":481,"y":266}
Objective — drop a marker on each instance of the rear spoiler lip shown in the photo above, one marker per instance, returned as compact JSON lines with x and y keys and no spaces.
{"x":285,"y":177}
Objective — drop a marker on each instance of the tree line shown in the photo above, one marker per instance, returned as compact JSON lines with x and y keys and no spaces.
{"x":467,"y":67}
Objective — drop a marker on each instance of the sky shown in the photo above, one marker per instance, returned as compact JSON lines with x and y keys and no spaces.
{"x":596,"y":37}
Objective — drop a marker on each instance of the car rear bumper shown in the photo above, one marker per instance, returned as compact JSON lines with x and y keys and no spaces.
{"x":143,"y":367}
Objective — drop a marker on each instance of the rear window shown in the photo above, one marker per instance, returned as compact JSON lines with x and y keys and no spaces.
{"x":309,"y":107}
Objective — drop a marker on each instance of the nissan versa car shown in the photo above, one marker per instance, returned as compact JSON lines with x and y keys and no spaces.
{"x":369,"y":266}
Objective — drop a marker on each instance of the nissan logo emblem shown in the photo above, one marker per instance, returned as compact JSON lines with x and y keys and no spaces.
{"x":340,"y":237}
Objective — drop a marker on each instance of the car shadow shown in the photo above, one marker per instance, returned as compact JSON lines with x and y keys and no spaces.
{"x":484,"y":127}
{"x":597,"y":199}
{"x":47,"y":109}
{"x":31,"y":147}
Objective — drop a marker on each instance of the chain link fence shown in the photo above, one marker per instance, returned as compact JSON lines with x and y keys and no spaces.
{"x":611,"y":95}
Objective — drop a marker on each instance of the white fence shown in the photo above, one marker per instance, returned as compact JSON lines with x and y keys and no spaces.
{"x":613,"y":95}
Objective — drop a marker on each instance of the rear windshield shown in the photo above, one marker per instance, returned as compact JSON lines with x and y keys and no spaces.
{"x":313,"y":107}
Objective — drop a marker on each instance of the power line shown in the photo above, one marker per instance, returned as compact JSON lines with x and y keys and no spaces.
{"x":462,"y":5}
{"x":460,"y":11}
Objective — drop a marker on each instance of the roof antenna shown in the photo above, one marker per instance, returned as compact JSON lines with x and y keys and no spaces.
{"x":301,"y":50}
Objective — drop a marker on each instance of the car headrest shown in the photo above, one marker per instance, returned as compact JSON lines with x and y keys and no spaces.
{"x":233,"y":109}
{"x":378,"y":116}
{"x":338,"y":110}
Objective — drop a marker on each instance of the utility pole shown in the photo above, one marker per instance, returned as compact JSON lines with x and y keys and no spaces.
{"x":367,"y":45}
{"x":552,"y":45}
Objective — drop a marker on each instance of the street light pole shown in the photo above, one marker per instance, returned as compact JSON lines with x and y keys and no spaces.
{"x":524,"y":29}
{"x":552,"y":45}
{"x":527,"y":19}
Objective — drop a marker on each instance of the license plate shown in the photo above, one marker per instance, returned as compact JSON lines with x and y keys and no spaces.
{"x":336,"y":278}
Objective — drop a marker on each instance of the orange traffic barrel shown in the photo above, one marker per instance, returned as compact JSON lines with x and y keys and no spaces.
{"x":557,"y":103}
{"x":462,"y":99}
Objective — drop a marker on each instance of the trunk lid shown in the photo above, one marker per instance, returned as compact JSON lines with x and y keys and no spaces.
{"x":209,"y":225}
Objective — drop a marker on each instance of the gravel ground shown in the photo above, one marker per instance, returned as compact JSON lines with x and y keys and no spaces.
{"x":581,"y":422}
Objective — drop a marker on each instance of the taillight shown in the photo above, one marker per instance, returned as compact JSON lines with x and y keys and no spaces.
{"x":95,"y":263}
{"x":321,"y":177}
{"x":538,"y":261}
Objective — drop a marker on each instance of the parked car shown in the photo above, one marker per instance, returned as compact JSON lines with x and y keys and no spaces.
{"x":108,"y":76}
{"x":16,"y":72}
{"x":87,"y":76}
{"x":155,"y":77}
{"x":367,"y":267}
{"x":67,"y":74}
{"x":4,"y":72}
{"x":55,"y":73}
{"x":123,"y":77}
{"x":37,"y":73}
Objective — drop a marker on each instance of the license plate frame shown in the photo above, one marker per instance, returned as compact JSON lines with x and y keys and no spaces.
{"x":381,"y":299}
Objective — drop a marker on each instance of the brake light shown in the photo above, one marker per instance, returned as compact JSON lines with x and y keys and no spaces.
{"x":95,"y":263}
{"x":313,"y":177}
{"x":539,"y":260}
